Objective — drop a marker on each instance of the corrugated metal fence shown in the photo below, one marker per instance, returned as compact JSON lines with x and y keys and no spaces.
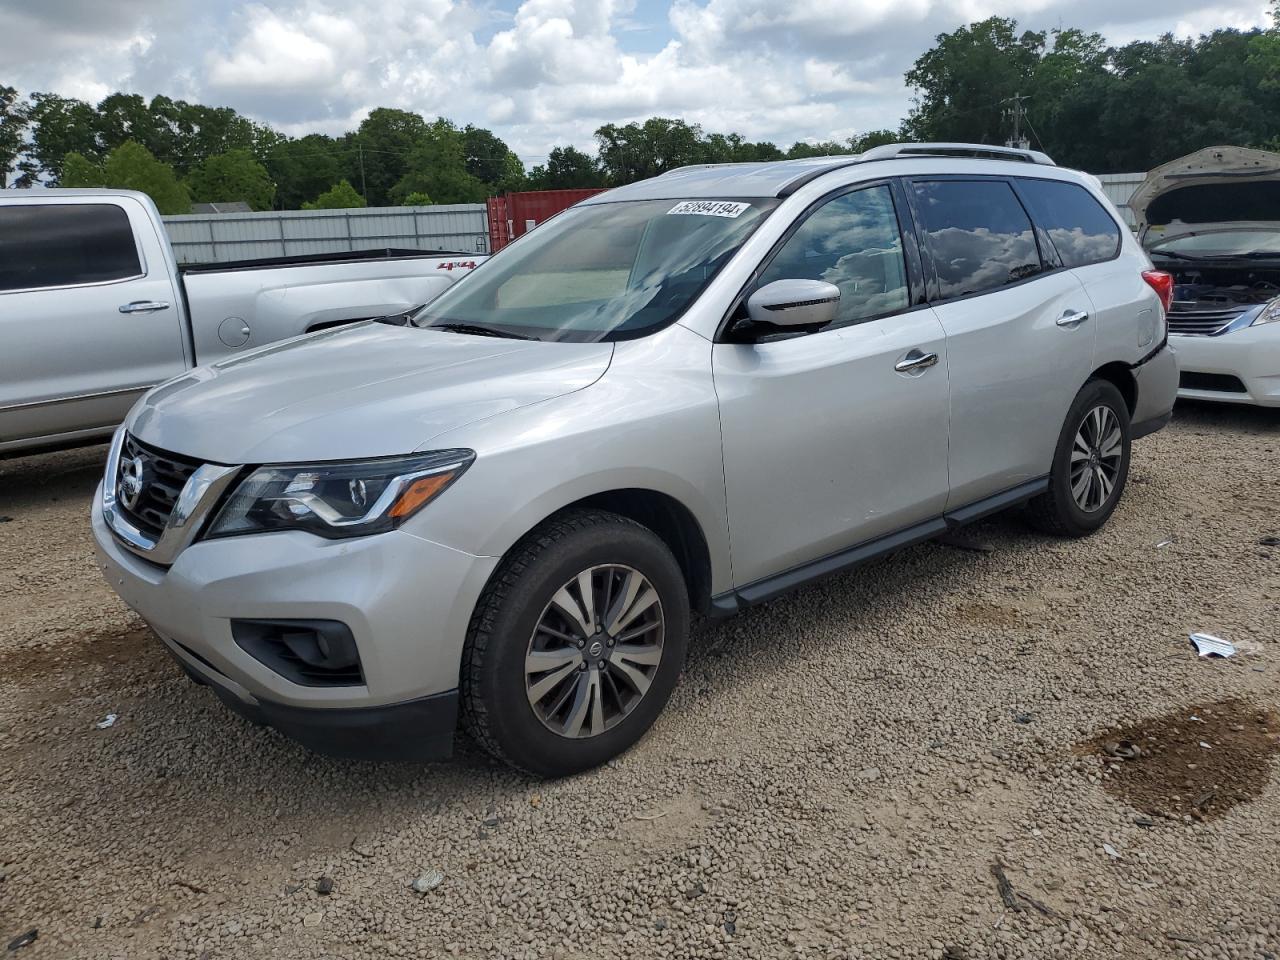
{"x":1119,"y":188}
{"x":214,"y":237}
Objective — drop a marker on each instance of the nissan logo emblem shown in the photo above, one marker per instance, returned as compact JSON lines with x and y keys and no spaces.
{"x":132,"y":481}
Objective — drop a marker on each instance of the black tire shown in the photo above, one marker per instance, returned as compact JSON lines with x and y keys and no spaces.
{"x":496,"y":708}
{"x":1057,"y":511}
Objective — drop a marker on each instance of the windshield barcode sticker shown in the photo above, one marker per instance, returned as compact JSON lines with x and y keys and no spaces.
{"x":709,"y":208}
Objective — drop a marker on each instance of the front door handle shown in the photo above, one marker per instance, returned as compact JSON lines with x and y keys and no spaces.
{"x":143,"y":306}
{"x":916,"y":360}
{"x":1072,"y":318}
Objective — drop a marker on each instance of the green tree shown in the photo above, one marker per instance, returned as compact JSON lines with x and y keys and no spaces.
{"x":637,"y":151}
{"x":13,"y":124}
{"x":79,"y":171}
{"x":876,"y":138}
{"x":1264,"y":51}
{"x":417,"y":199}
{"x":341,"y":196}
{"x":962,"y":82}
{"x":827,"y":148}
{"x":378,"y":152}
{"x":58,"y":126}
{"x":491,"y":161}
{"x":733,"y":148}
{"x":304,"y":168}
{"x":131,"y":166}
{"x":437,"y":167}
{"x":567,"y":168}
{"x":230,"y":176}
{"x":122,"y":117}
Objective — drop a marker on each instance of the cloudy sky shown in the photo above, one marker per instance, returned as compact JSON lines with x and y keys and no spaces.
{"x":541,"y":72}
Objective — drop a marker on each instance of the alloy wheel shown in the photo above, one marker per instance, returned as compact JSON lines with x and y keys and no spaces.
{"x":1096,"y":456}
{"x":595,"y":651}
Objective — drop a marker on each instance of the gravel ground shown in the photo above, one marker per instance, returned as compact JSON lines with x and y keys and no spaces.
{"x":835,"y":777}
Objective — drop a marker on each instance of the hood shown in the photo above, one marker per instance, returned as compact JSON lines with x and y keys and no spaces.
{"x":369,"y":390}
{"x":1215,"y":188}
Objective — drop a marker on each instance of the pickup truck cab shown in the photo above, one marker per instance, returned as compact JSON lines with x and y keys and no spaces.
{"x":689,"y":394}
{"x":94,"y":309}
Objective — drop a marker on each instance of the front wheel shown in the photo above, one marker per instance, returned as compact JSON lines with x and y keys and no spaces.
{"x":1090,"y":464}
{"x":576,"y":644}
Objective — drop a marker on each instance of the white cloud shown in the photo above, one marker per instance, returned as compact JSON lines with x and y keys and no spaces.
{"x":548,"y":73}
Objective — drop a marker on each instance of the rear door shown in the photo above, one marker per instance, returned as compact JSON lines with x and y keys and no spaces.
{"x":89,"y":317}
{"x":1078,"y":233}
{"x":826,"y":443}
{"x":1019,"y":333}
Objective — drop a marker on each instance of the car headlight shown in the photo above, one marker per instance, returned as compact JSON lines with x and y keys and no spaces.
{"x":1270,"y":313}
{"x":339,"y":499}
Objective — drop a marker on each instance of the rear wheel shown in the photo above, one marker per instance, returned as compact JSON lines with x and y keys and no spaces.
{"x":575,"y":645}
{"x":1090,"y":464}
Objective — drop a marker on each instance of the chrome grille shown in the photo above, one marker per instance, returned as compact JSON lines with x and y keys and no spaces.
{"x":165,"y":474}
{"x":1190,"y":320}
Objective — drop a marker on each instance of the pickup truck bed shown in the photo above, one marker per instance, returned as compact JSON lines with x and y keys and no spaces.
{"x":94,"y":309}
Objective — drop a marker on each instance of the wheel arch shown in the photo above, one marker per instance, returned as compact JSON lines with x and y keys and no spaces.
{"x":669,"y":519}
{"x":1121,"y":377}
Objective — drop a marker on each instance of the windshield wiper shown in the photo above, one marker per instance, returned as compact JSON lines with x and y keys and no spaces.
{"x":398,"y":319}
{"x":478,"y":330}
{"x":1174,"y":255}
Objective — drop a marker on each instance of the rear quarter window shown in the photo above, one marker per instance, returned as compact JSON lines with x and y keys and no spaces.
{"x":58,"y":245}
{"x":1081,"y":230}
{"x":978,"y":235}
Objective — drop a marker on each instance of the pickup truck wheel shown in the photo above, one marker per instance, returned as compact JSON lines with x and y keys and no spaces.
{"x":1090,"y":464}
{"x":575,"y":645}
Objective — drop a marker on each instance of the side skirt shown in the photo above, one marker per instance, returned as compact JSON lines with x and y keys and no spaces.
{"x":728,"y":603}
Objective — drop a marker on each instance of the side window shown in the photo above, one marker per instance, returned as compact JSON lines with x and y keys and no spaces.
{"x":853,"y":242}
{"x":978,"y":235}
{"x":54,"y":245}
{"x":1081,"y":230}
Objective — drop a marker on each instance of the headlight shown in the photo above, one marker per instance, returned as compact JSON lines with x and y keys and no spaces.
{"x":1270,"y":313}
{"x":339,"y":499}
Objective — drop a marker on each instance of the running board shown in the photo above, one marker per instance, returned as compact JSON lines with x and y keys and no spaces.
{"x":770,"y":588}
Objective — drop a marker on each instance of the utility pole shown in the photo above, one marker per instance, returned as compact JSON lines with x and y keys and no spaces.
{"x":364,"y":190}
{"x":1016,"y":112}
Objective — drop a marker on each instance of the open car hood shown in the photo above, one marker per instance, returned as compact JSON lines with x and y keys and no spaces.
{"x":1212,"y":189}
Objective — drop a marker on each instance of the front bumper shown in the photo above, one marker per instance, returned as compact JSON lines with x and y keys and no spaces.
{"x":1252,"y":355}
{"x":406,"y":600}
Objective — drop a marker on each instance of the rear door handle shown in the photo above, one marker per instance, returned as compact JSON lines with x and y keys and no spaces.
{"x":1072,"y":318}
{"x":143,"y":306}
{"x":916,"y":360}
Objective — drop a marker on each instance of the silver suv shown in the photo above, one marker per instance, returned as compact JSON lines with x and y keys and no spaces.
{"x":690,"y":394}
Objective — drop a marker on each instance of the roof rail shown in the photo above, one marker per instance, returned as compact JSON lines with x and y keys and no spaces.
{"x":978,"y":151}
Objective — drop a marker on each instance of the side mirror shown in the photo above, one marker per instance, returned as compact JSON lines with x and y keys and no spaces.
{"x":794,"y":303}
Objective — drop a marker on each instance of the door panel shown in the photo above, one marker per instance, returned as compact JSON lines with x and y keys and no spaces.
{"x":1019,"y":336}
{"x":1014,"y":372}
{"x":72,"y":360}
{"x":826,"y":445}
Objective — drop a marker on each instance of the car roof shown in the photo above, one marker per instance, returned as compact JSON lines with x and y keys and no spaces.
{"x":778,"y":178}
{"x":55,"y":193}
{"x":763,"y":179}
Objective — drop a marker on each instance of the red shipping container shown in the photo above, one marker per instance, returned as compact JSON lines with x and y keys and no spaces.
{"x":515,"y":214}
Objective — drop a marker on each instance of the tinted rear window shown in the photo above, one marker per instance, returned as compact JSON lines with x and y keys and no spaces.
{"x":978,"y":235}
{"x":1081,"y":230}
{"x":54,"y":245}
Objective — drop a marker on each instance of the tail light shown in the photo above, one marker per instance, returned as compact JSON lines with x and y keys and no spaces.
{"x":1162,"y":284}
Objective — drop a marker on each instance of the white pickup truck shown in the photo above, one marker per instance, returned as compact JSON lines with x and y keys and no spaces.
{"x":95,"y":310}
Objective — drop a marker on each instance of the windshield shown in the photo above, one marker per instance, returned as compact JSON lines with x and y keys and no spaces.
{"x":608,"y":271}
{"x":1221,"y":243}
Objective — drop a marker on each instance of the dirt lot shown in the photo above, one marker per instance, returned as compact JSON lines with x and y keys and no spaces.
{"x":911,"y":761}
